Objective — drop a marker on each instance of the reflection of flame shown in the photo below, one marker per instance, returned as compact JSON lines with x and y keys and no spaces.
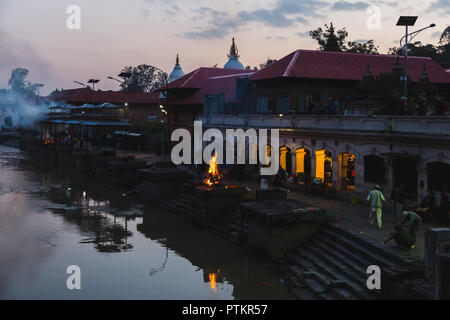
{"x":213,"y":177}
{"x":212,"y":281}
{"x":48,"y":141}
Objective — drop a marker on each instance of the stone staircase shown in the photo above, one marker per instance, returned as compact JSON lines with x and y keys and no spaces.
{"x":231,"y":227}
{"x":178,"y":202}
{"x":333,"y":266}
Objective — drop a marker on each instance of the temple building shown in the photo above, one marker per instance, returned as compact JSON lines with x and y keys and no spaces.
{"x":177,"y":71}
{"x":346,"y":151}
{"x":233,"y":62}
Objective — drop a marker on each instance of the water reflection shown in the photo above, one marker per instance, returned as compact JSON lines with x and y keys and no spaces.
{"x":51,"y":218}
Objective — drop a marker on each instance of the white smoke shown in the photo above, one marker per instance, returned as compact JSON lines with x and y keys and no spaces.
{"x":19,"y":112}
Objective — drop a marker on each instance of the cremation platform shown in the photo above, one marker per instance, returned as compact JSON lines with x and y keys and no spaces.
{"x":277,"y":226}
{"x":211,"y":204}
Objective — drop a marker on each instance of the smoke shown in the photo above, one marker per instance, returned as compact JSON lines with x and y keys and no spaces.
{"x":19,"y":112}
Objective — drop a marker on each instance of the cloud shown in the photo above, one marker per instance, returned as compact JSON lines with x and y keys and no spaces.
{"x":436,"y":35}
{"x":286,"y":13}
{"x":442,"y":6}
{"x":303,"y":34}
{"x":276,"y":37}
{"x":349,"y":6}
{"x":145,"y":13}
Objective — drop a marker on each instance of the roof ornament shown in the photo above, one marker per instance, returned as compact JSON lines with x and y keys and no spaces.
{"x":177,"y":71}
{"x":332,"y":43}
{"x":234,"y":53}
{"x":424,"y":76}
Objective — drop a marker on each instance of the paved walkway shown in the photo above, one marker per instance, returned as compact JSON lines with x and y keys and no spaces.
{"x":355,"y":219}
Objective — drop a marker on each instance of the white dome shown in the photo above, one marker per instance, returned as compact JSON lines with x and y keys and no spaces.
{"x":177,"y":72}
{"x":233,"y":63}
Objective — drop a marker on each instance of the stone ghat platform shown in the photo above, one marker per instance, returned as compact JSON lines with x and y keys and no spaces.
{"x":211,"y":204}
{"x":277,"y":226}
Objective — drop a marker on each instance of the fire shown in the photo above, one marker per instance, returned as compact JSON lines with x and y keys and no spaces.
{"x":48,"y":141}
{"x":213,"y":177}
{"x":212,"y":281}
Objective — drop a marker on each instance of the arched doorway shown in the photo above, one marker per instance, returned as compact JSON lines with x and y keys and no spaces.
{"x":286,"y":159}
{"x":303,"y":163}
{"x":324,"y":167}
{"x":347,"y":171}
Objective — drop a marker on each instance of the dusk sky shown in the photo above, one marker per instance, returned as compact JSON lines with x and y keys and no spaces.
{"x":116,"y":33}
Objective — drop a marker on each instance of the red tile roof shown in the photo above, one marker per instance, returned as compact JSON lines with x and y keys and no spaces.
{"x":205,"y":81}
{"x":84,"y":95}
{"x":346,"y":66}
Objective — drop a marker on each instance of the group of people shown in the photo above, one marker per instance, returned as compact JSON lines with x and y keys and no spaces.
{"x":405,"y":240}
{"x":332,"y":108}
{"x":422,"y":106}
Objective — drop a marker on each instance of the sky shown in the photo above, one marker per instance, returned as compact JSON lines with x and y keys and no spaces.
{"x":118,"y":33}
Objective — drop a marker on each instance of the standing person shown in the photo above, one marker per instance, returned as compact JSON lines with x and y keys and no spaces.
{"x":414,"y":221}
{"x":376,"y":199}
{"x":398,"y":197}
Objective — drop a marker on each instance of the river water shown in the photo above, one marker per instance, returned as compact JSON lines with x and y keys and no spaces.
{"x":52,"y":219}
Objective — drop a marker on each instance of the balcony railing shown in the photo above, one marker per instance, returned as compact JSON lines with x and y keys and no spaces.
{"x":436,"y":125}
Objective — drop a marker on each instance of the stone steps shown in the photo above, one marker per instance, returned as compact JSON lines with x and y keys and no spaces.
{"x":333,"y":265}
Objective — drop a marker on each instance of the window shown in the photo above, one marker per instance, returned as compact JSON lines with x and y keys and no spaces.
{"x":262,"y":104}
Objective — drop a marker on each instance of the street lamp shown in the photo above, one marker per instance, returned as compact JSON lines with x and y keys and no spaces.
{"x":115,"y":79}
{"x":93,"y":81}
{"x":408,"y":21}
{"x":81,"y":84}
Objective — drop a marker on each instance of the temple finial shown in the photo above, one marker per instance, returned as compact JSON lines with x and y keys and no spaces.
{"x":233,"y":51}
{"x":177,"y":62}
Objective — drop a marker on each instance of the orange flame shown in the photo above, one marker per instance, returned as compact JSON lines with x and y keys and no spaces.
{"x":213,"y":177}
{"x":212,"y":281}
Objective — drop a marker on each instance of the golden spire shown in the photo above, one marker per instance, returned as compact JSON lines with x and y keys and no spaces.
{"x":178,"y":60}
{"x":233,"y":51}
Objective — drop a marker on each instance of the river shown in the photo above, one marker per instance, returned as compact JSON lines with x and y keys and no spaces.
{"x":52,"y":219}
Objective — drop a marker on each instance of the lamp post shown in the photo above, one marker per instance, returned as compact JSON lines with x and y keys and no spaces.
{"x":93,"y":81}
{"x":81,"y":84}
{"x":112,"y":78}
{"x":408,"y":21}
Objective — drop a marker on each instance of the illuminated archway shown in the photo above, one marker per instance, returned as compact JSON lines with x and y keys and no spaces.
{"x":347,"y":171}
{"x":303,"y":162}
{"x":286,"y":159}
{"x":324,"y":166}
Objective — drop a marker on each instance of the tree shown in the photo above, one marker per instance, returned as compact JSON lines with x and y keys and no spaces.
{"x":143,"y":78}
{"x":18,"y":83}
{"x":362,"y":47}
{"x":416,"y":49}
{"x":263,"y":65}
{"x":331,"y":40}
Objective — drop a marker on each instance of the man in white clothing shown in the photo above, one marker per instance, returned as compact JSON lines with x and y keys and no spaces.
{"x":376,"y":199}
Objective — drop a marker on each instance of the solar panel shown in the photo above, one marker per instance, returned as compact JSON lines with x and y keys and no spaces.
{"x":407,"y":20}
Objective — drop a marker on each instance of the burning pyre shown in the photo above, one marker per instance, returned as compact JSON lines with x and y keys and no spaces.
{"x":213,"y":177}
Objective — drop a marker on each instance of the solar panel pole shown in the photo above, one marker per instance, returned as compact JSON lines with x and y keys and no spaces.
{"x":405,"y":76}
